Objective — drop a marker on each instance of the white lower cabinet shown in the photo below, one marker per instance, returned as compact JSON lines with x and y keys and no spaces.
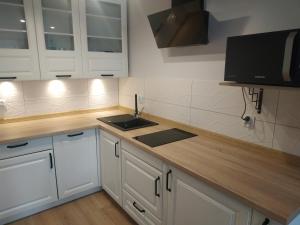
{"x":111,"y":166}
{"x":26,"y":182}
{"x":142,"y":180}
{"x":76,"y":162}
{"x":195,"y":203}
{"x":260,"y":219}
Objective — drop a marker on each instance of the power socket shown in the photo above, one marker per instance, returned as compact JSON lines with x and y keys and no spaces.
{"x":249,"y":122}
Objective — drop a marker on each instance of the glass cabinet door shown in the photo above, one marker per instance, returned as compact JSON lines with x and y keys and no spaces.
{"x":58,"y":24}
{"x":13,"y":31}
{"x":104,"y":26}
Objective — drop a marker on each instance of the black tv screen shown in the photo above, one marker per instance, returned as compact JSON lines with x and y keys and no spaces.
{"x":180,"y":26}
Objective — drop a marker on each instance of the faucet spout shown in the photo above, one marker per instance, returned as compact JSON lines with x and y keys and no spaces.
{"x":136,"y":111}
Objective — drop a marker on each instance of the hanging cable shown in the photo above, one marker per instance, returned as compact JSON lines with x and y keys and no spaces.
{"x":243,"y":117}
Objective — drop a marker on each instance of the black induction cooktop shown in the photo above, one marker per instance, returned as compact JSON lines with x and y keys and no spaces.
{"x":164,"y":137}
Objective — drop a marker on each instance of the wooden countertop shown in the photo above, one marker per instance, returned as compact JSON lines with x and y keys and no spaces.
{"x":264,"y":179}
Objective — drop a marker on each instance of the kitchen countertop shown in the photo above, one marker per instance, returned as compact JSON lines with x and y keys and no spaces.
{"x":267,"y":180}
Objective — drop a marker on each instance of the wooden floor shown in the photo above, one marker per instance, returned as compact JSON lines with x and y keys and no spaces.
{"x":96,"y":209}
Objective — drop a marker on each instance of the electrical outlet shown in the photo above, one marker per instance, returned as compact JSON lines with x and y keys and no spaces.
{"x":250,"y":123}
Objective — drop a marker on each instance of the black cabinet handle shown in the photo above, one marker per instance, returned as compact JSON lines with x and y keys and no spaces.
{"x":74,"y":135}
{"x":167,"y":184}
{"x":8,"y":78}
{"x":107,"y":75}
{"x":63,"y":76}
{"x":266,"y":222}
{"x":51,"y":160}
{"x":140,"y":210}
{"x":17,"y":146}
{"x":116,"y":154}
{"x":156,"y":184}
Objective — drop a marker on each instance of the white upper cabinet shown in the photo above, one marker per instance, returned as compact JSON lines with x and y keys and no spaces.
{"x":18,"y":50}
{"x":104,"y":37}
{"x":50,"y":39}
{"x":58,"y":35}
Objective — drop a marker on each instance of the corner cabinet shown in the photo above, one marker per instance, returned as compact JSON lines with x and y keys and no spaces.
{"x":18,"y":49}
{"x":192,"y":202}
{"x":58,"y":35}
{"x":104,"y":37}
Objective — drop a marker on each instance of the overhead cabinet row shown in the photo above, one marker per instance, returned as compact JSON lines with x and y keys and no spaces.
{"x":50,"y":39}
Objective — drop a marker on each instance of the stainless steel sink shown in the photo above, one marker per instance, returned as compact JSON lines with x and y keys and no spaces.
{"x":127,"y":122}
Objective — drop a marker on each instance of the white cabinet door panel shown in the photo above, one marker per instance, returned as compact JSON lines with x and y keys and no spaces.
{"x":259,"y":219}
{"x":76,"y":162}
{"x":26,"y":182}
{"x":111,"y":165}
{"x":58,"y":33}
{"x":104,"y":37}
{"x":194,"y":203}
{"x":142,"y":181}
{"x":18,"y":49}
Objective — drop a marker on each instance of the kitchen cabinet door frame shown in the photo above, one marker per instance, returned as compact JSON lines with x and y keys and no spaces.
{"x":76,"y":162}
{"x":184,"y":190}
{"x":111,"y":166}
{"x":56,"y":64}
{"x":31,"y":183}
{"x":22,"y":64}
{"x":99,"y":64}
{"x":133,"y":171}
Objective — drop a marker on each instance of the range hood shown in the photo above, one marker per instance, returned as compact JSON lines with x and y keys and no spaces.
{"x":186,"y":23}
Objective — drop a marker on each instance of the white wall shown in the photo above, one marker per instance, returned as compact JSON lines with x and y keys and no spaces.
{"x":182,"y":83}
{"x":40,"y":97}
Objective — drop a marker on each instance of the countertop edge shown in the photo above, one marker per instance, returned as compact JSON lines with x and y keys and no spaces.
{"x":97,"y":124}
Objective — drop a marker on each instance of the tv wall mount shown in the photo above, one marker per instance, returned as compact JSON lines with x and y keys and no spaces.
{"x":257,"y":98}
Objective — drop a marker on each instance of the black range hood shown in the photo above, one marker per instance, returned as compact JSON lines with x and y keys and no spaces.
{"x":186,"y":23}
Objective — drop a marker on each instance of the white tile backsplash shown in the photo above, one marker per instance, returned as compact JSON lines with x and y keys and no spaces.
{"x":207,"y":105}
{"x":287,"y":139}
{"x":233,"y":126}
{"x":208,"y":95}
{"x":171,"y":91}
{"x":11,"y":92}
{"x":200,"y":103}
{"x":169,"y":111}
{"x":42,"y":97}
{"x":54,"y":89}
{"x":289,"y":108}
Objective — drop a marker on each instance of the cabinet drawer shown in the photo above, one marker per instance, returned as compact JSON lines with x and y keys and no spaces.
{"x":143,"y":182}
{"x":74,"y":135}
{"x":135,"y":209}
{"x":146,"y":157}
{"x":18,"y":148}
